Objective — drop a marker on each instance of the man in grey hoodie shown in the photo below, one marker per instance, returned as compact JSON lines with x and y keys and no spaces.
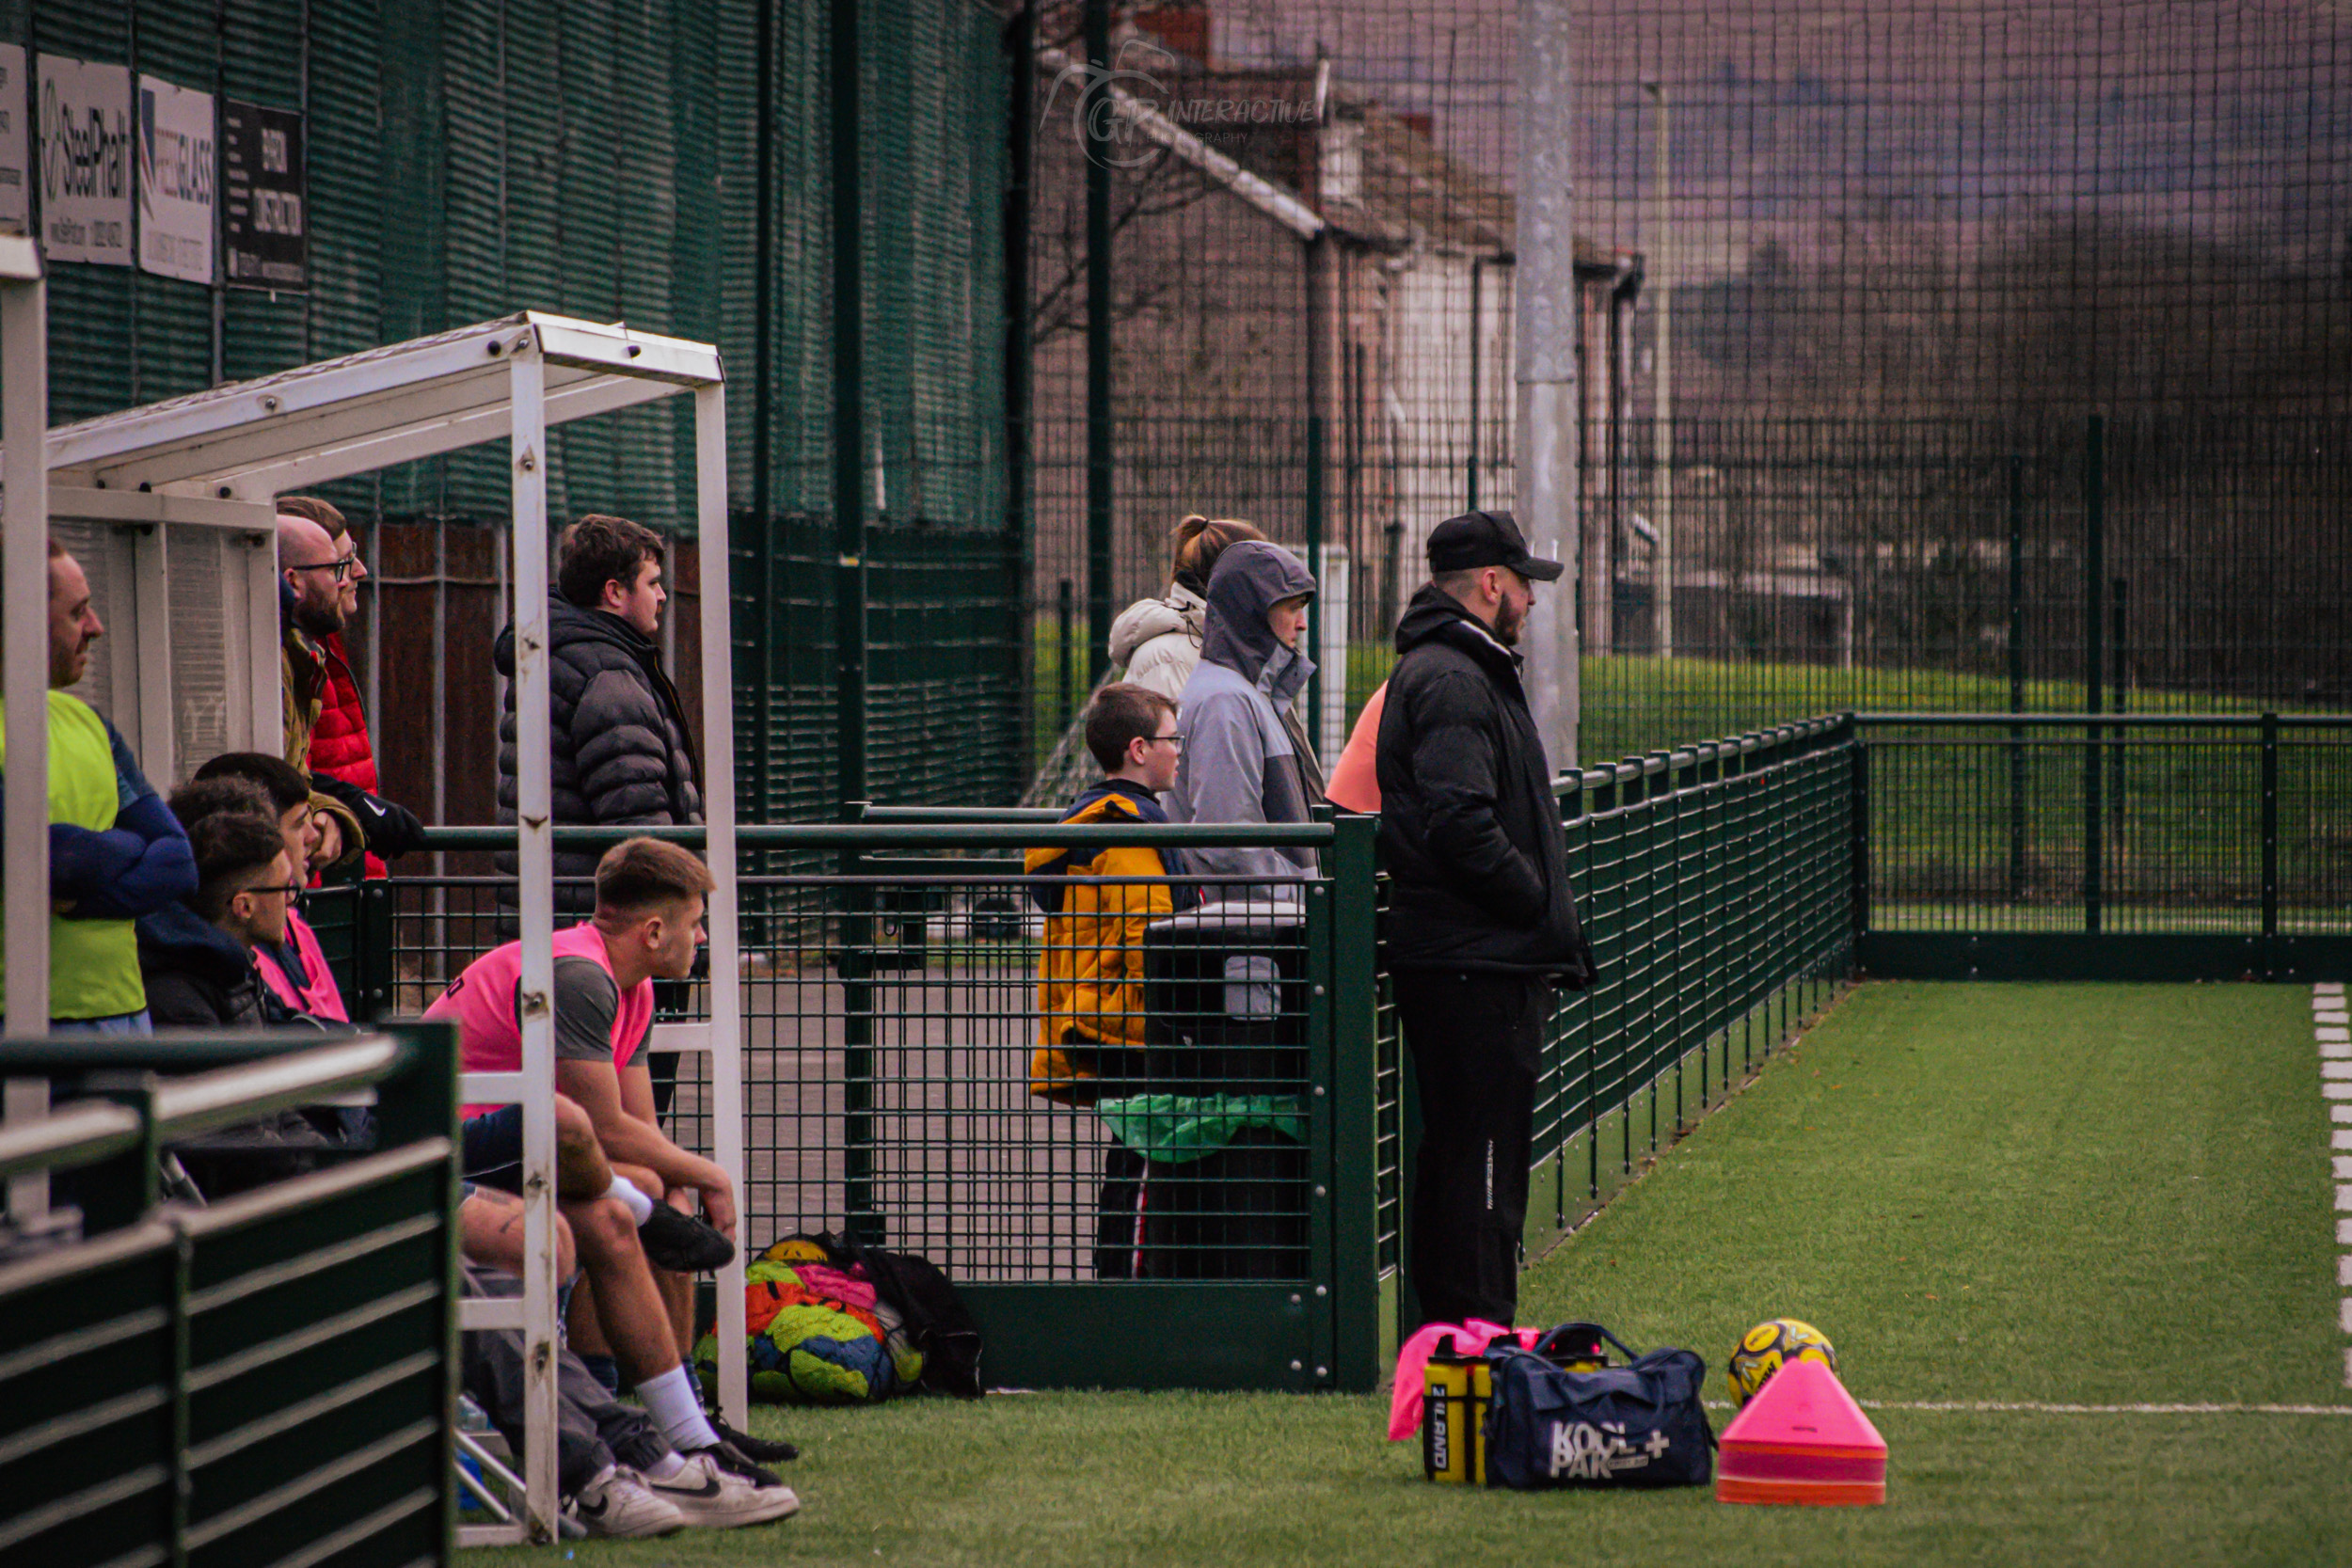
{"x":1239,"y":762}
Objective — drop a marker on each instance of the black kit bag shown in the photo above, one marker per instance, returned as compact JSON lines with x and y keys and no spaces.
{"x":1636,"y":1425}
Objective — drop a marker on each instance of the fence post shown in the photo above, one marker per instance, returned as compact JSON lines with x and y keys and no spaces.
{"x":1860,"y":826}
{"x":2270,"y":829}
{"x":2016,"y":676}
{"x":1353,"y":1199}
{"x":2094,"y":735}
{"x":855,"y":962}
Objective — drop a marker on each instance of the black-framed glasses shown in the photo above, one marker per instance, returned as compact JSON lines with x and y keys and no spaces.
{"x":341,"y":567}
{"x":1175,"y":740}
{"x":292,"y":890}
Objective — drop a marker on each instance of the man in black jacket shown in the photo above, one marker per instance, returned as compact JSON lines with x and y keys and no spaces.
{"x":621,"y":752}
{"x":1481,"y":923}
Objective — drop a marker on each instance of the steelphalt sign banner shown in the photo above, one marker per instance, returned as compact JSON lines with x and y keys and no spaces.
{"x":85,"y":125}
{"x":176,"y":167}
{"x":265,"y":237}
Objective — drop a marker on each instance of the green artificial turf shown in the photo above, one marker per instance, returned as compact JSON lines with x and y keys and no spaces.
{"x":2076,"y":1193}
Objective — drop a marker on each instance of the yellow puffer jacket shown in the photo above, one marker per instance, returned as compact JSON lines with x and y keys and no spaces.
{"x":1090,"y":990}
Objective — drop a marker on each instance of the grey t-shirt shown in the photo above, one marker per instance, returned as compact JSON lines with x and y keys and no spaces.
{"x":586,"y":1003}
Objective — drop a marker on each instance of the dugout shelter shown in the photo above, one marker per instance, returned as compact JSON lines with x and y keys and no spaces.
{"x":176,"y":503}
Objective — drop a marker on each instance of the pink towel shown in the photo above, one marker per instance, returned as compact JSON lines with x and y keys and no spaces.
{"x":1469,"y":1339}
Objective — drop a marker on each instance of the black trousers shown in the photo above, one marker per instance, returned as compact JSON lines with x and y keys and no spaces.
{"x":1116,"y":1213}
{"x":1477,"y":1040}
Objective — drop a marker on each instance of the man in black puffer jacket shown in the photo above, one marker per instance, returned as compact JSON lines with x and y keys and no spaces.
{"x":1481,"y":922}
{"x":622,"y":754}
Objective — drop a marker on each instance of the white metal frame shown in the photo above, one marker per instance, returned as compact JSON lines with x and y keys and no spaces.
{"x":225,"y":454}
{"x":25,"y":688}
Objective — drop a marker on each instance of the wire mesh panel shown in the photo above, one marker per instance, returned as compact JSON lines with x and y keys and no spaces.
{"x":1115,"y":1089}
{"x":1978,"y":358}
{"x":1047,"y":1077}
{"x":2149,"y":825}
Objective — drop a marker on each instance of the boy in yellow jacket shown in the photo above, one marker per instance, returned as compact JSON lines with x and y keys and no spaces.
{"x":1091,"y":1006}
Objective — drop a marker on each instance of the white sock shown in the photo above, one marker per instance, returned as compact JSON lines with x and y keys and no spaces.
{"x":663,"y":1469}
{"x":640,"y":1207}
{"x":670,"y":1401}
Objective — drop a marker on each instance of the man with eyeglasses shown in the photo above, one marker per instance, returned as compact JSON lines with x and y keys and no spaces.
{"x":196,"y":956}
{"x":326,"y":736}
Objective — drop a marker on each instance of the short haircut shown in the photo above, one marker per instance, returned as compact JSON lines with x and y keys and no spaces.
{"x":57,"y":551}
{"x":1122,"y":712}
{"x":233,"y":848}
{"x":286,"y":785}
{"x":221,"y":795}
{"x":1459,"y":585}
{"x":325,"y":513}
{"x":637,"y":873}
{"x":598,"y":549}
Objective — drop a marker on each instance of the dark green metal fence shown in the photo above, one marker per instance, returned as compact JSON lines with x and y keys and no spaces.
{"x":2079,"y":846}
{"x":892,"y":1004}
{"x":266,"y":1380}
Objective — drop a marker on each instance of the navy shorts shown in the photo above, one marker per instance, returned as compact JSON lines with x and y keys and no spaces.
{"x":492,"y":1144}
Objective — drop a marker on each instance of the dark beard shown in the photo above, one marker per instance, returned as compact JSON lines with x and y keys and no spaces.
{"x":1508,"y":624}
{"x":319,"y":623}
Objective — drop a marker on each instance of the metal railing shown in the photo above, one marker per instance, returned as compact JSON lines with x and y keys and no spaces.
{"x":265,"y":1380}
{"x":2108,"y":845}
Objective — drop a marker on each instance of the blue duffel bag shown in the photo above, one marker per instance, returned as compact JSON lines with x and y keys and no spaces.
{"x":1636,"y":1425}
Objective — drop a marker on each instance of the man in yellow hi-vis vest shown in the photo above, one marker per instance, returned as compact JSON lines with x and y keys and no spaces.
{"x":115,"y":850}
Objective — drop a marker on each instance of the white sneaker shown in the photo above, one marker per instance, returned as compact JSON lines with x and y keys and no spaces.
{"x":707,"y":1495}
{"x":617,"y":1503}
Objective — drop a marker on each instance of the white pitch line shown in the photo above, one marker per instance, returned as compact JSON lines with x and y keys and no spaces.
{"x":2343,"y":1270}
{"x":2030,"y":1407}
{"x":2340,"y":1112}
{"x":2341,"y":1138}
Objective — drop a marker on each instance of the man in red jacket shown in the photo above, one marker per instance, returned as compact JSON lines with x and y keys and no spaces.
{"x":338,"y":752}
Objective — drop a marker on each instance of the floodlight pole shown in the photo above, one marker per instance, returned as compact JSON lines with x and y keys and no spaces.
{"x":536,"y":877}
{"x":25,"y":628}
{"x":1545,"y":330}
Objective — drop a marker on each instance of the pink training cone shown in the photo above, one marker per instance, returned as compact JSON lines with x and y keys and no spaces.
{"x":1802,"y":1440}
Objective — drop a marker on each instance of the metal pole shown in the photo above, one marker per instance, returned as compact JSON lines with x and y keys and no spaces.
{"x":774,"y":616}
{"x":2270,"y":830}
{"x":2094,"y":655}
{"x":2016,"y":674}
{"x":848,"y":413}
{"x":24,"y":625}
{"x":1314,"y":562}
{"x":2119,"y":694}
{"x":1066,"y":653}
{"x":1662,"y":383}
{"x":535,"y":1001}
{"x":721,"y":919}
{"x":1020,"y":59}
{"x":1544,"y":306}
{"x":1099,"y":472}
{"x":1477,"y":345}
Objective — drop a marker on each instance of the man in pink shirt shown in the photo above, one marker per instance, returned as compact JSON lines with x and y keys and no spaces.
{"x":647,"y":925}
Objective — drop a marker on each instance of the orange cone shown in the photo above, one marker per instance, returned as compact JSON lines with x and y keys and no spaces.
{"x":1802,"y":1440}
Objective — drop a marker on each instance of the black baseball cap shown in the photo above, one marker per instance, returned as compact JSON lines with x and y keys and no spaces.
{"x":1477,"y":539}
